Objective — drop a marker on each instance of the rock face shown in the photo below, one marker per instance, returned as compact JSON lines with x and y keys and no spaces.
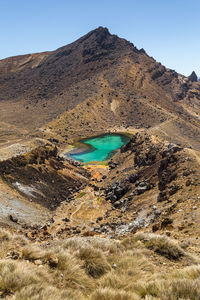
{"x":193,"y":77}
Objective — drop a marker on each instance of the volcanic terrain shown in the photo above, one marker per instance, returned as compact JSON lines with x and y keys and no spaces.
{"x":143,"y":204}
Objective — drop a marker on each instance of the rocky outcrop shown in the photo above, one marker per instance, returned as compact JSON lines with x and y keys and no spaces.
{"x":154,"y":165}
{"x":193,"y":77}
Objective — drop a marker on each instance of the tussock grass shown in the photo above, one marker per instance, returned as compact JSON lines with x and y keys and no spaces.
{"x":161,"y":244}
{"x":111,"y":294}
{"x":114,"y":281}
{"x":180,"y":284}
{"x":171,"y":289}
{"x":15,"y":275}
{"x":106,"y":245}
{"x":32,"y":253}
{"x":74,"y":275}
{"x":95,"y":262}
{"x":10,"y":242}
{"x":181,"y":289}
{"x":5,"y":235}
{"x":44,"y":292}
{"x":191,"y":272}
{"x":65,"y":268}
{"x":94,"y":268}
{"x":130,"y":267}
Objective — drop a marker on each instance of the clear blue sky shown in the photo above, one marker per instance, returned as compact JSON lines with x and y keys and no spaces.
{"x":169,"y":30}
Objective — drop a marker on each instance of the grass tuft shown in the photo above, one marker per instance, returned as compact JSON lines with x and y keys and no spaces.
{"x":161,"y":244}
{"x":95,"y":262}
{"x":111,"y":294}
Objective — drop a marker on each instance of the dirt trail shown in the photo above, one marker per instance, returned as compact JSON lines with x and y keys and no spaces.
{"x":87,"y":206}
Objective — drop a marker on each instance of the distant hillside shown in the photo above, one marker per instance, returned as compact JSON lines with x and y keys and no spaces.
{"x":100,"y":82}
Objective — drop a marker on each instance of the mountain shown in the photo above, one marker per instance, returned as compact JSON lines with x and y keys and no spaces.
{"x":100,"y":82}
{"x":100,"y":230}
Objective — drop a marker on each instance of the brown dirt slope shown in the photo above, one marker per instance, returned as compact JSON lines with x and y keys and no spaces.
{"x":42,"y":177}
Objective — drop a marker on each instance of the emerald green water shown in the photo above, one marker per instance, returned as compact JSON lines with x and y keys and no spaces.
{"x":101,"y":147}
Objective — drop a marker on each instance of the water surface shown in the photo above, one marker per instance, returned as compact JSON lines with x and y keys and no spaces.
{"x":100,"y":147}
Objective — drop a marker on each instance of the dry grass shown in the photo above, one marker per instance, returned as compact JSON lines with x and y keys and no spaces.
{"x":191,"y":272}
{"x":15,"y":275}
{"x":161,"y":244}
{"x":45,"y":292}
{"x":95,"y":268}
{"x":95,"y":262}
{"x":170,"y":289}
{"x":9,"y":242}
{"x":112,"y":294}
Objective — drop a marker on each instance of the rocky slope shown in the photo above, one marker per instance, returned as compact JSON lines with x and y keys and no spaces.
{"x":36,"y":180}
{"x":100,"y":82}
{"x":149,"y":185}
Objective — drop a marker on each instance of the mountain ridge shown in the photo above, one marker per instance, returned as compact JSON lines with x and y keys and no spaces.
{"x":37,"y":89}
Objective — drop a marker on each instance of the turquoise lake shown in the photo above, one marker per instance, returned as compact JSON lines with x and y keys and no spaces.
{"x":100,"y":148}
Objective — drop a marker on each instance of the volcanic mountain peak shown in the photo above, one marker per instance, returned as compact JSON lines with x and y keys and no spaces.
{"x":99,"y":73}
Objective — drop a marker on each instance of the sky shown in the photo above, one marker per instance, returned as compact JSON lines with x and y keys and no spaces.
{"x":168,"y":30}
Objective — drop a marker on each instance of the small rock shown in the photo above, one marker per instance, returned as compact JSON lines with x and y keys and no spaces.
{"x":30,"y":235}
{"x":168,"y":233}
{"x":114,"y":266}
{"x":53,"y":261}
{"x":38,"y":262}
{"x":188,"y":182}
{"x":165,"y":222}
{"x":99,"y":219}
{"x":13,"y":219}
{"x":66,"y":220}
{"x":155,"y":227}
